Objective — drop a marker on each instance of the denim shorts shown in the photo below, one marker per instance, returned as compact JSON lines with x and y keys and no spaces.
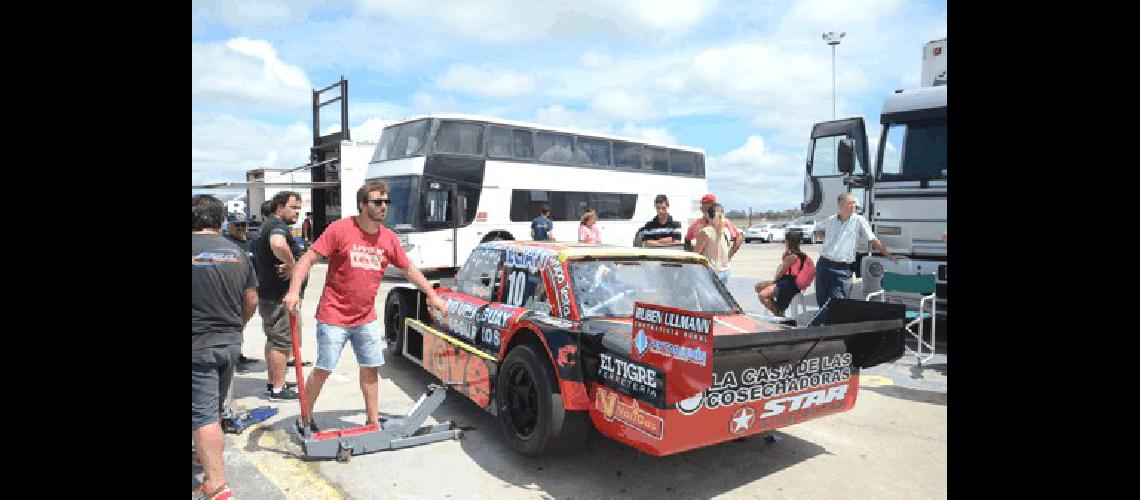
{"x":367,"y":342}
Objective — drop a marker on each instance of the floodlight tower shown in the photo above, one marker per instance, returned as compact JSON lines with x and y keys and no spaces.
{"x":833,"y":40}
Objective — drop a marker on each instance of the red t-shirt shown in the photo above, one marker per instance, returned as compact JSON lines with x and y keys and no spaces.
{"x":356,"y":264}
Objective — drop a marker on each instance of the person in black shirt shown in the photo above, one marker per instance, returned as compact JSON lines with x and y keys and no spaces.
{"x":661,"y":230}
{"x":277,"y":253}
{"x":236,"y":233}
{"x":224,"y":297}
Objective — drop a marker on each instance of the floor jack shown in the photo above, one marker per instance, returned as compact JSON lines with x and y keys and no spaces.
{"x":390,"y":434}
{"x":238,"y":422}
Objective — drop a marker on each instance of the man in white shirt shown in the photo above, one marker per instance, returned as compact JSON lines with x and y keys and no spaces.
{"x":841,"y":234}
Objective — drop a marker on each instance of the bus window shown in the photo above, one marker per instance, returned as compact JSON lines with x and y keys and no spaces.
{"x":823,"y":158}
{"x":613,"y":206}
{"x":592,"y":152}
{"x":504,"y":142}
{"x":681,"y":162}
{"x":699,"y":168}
{"x":437,"y":207}
{"x":401,"y":141}
{"x":459,"y":138}
{"x":554,"y":148}
{"x":627,"y":155}
{"x":655,"y":159}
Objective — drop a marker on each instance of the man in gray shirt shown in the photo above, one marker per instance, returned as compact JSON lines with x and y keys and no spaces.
{"x":841,"y":234}
{"x":224,"y":297}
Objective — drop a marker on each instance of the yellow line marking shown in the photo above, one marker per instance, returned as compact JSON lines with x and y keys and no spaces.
{"x":279,"y":464}
{"x":875,"y":380}
{"x":419,"y":324}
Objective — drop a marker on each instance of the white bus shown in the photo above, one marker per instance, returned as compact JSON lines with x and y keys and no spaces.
{"x":459,"y":180}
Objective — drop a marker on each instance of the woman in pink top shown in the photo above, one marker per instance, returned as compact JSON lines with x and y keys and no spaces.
{"x":588,"y":229}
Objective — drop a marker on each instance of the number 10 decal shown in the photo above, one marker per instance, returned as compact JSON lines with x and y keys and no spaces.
{"x":516,"y":288}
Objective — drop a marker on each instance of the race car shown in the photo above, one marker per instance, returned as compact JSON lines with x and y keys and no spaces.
{"x":645,"y":345}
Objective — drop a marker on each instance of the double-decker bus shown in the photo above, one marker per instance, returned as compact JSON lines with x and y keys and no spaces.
{"x":459,"y":180}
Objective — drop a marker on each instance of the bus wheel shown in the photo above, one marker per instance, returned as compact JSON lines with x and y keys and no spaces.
{"x":530,"y":411}
{"x":396,"y":308}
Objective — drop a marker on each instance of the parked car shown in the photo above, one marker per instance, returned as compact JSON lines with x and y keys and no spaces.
{"x":765,"y":233}
{"x":805,"y":227}
{"x":644,"y":345}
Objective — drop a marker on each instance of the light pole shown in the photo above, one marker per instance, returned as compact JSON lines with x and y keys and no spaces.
{"x":833,"y":39}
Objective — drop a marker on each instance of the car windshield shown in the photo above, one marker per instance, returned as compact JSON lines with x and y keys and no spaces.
{"x":609,"y":288}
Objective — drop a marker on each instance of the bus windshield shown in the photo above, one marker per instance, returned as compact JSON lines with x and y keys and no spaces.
{"x":914,"y":150}
{"x":402,"y":141}
{"x":404,"y":191}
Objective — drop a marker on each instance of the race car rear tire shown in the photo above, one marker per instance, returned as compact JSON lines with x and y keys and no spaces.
{"x":396,"y":308}
{"x":530,"y":411}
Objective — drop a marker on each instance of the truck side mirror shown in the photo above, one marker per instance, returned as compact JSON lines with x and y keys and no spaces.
{"x":846,"y":156}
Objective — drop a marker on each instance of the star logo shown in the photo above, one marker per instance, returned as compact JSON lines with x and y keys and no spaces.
{"x":641,"y":343}
{"x":742,"y":420}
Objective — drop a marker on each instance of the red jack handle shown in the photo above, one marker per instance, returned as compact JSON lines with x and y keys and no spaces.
{"x":300,"y":371}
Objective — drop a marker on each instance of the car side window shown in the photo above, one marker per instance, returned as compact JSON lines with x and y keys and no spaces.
{"x":479,"y":276}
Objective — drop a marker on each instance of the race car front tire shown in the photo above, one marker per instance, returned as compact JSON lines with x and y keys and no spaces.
{"x":530,"y":411}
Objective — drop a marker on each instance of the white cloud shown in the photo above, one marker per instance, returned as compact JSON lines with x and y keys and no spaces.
{"x":246,"y":72}
{"x":486,"y":81}
{"x":595,"y":60}
{"x":500,"y":21}
{"x":617,"y":104}
{"x":657,"y":135}
{"x":224,"y":147}
{"x":754,"y":175}
{"x":836,"y":15}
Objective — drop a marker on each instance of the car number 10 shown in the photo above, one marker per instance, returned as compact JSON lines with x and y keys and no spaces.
{"x":516,"y":288}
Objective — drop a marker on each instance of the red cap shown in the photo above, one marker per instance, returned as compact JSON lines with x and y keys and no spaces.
{"x":708,"y":198}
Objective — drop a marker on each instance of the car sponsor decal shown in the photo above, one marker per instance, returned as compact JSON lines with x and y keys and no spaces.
{"x":567,"y":355}
{"x":461,"y":318}
{"x":743,"y":419}
{"x":455,"y":363}
{"x":642,"y":382}
{"x":612,"y":406}
{"x":529,"y":258}
{"x":495,"y":320}
{"x":768,"y":383}
{"x":557,"y":271}
{"x":679,"y":343}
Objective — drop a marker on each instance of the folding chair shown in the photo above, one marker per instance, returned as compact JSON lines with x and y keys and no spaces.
{"x":924,"y":285}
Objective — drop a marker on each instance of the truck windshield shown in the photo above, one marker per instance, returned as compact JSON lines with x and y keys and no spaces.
{"x":609,"y":288}
{"x":914,"y":150}
{"x":404,"y":191}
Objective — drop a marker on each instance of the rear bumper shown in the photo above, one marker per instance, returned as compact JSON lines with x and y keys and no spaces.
{"x":710,"y":421}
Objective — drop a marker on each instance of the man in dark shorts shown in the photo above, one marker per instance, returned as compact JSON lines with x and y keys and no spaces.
{"x":224,"y":297}
{"x":276,"y":257}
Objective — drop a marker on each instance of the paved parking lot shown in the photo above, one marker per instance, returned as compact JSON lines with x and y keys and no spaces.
{"x":891,"y":445}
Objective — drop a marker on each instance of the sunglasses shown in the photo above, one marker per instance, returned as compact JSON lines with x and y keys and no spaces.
{"x":380,"y":201}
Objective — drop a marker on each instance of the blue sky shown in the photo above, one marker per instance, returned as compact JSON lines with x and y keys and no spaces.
{"x":742,"y":80}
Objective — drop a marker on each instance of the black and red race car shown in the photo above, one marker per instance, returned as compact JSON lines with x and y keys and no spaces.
{"x":645,"y":345}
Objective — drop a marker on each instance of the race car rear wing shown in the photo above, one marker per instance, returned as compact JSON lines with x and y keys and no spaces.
{"x":872,"y":331}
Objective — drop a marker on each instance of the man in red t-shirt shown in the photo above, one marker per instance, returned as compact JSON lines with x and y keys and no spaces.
{"x":358,"y":248}
{"x":694,"y":228}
